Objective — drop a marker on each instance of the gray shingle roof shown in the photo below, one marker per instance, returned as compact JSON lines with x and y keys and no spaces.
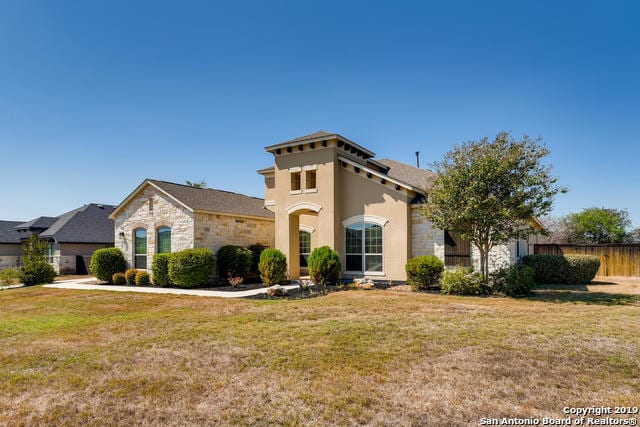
{"x":8,"y":232}
{"x":87,"y":224}
{"x":315,"y":135}
{"x":42,"y":223}
{"x":421,"y":179}
{"x":209,"y":199}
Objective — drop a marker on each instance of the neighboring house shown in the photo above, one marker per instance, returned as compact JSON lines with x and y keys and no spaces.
{"x":72,"y":237}
{"x":327,"y":190}
{"x":161,"y":216}
{"x":10,"y":249}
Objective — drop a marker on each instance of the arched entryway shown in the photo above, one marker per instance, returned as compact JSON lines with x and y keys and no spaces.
{"x":302,"y":236}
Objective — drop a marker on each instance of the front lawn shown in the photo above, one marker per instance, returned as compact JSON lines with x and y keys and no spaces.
{"x":375,"y":357}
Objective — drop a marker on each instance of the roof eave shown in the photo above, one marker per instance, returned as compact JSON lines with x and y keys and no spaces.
{"x":272,"y":148}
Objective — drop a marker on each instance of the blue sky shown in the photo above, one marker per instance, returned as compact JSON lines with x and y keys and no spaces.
{"x":96,"y":96}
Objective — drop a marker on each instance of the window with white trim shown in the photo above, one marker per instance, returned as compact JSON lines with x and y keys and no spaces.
{"x":163,"y":240}
{"x":295,"y":181}
{"x":305,"y":247}
{"x":364,"y":247}
{"x":310,"y":180}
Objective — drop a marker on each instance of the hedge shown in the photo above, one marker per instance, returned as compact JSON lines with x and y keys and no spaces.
{"x":106,"y":262}
{"x":160,"y":269}
{"x":423,"y":272}
{"x":570,"y":269}
{"x":233,"y":261}
{"x":190,"y":268}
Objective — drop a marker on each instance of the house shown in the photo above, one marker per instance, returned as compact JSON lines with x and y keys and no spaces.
{"x":72,"y":237}
{"x":10,"y":249}
{"x":160,"y":216}
{"x":325,"y":189}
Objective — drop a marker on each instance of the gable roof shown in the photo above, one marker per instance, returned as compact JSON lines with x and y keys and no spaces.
{"x":87,"y":224}
{"x":421,"y":179}
{"x":8,"y":232}
{"x":39,"y":223}
{"x":205,"y":199}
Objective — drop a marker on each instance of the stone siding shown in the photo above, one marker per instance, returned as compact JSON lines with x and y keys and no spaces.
{"x":425,"y":238}
{"x":217,"y":230}
{"x":150,"y":210}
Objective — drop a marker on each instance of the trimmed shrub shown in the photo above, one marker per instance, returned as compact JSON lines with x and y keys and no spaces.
{"x":516,"y":280}
{"x":463,"y":281}
{"x":570,"y":269}
{"x":9,"y":276}
{"x":118,"y":279}
{"x":142,"y":278}
{"x":423,"y":272}
{"x":256,"y":250}
{"x":190,"y":268}
{"x":273,"y":267}
{"x":130,"y":276}
{"x":233,"y":261}
{"x":160,"y":269}
{"x":324,"y":266}
{"x":581,"y":268}
{"x":106,"y":262}
{"x":36,"y":273}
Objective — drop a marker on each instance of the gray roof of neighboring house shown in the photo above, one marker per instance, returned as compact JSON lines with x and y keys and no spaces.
{"x":40,"y":223}
{"x":421,"y":179}
{"x":8,"y":232}
{"x":87,"y":224}
{"x":209,"y":199}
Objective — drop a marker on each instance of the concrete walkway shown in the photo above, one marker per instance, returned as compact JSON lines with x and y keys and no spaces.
{"x":79,"y":285}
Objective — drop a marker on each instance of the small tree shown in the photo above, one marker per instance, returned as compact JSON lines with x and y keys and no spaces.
{"x":35,"y":268}
{"x":598,"y":225}
{"x":488,"y":191}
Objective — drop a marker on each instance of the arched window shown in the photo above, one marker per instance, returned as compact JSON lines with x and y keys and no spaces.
{"x":364,"y":247}
{"x":163,"y":240}
{"x":305,"y":247}
{"x":140,"y":248}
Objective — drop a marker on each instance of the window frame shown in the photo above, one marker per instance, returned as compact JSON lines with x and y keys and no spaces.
{"x":163,"y":228}
{"x":136,"y":255}
{"x":301,"y":254}
{"x":361,"y":222}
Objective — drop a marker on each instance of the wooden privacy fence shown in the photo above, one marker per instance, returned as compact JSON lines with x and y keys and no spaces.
{"x":616,"y":259}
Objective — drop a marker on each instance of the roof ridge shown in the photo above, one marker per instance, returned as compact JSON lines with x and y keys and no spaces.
{"x":199,"y":188}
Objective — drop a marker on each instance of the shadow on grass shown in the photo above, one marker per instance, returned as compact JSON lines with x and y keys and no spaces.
{"x":580,"y":294}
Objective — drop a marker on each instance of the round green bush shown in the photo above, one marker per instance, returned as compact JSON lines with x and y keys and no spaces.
{"x":463,"y":281}
{"x":130,"y":276}
{"x":160,"y":269}
{"x":423,"y":272}
{"x":273,"y":267}
{"x":324,"y":266}
{"x":106,"y":262}
{"x":119,"y":279}
{"x":142,"y":278}
{"x":233,"y":261}
{"x":190,"y":268}
{"x":36,"y":273}
{"x":516,"y":280}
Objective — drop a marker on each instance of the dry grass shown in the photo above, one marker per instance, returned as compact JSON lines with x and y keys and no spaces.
{"x":356,"y":357}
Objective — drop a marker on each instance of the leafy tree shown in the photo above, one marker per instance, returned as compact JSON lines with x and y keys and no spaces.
{"x":35,"y":268}
{"x":34,"y":250}
{"x":488,"y":191}
{"x":633,"y":236}
{"x":598,"y":225}
{"x":198,"y":184}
